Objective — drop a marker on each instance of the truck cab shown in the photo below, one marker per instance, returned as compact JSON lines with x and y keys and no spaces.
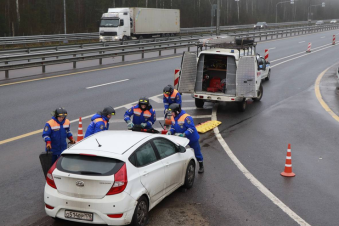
{"x":227,"y":72}
{"x":115,"y":25}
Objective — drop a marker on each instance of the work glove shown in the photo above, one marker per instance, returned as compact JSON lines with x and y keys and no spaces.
{"x":169,"y":133}
{"x":143,"y":125}
{"x":130,"y":124}
{"x":182,"y":135}
{"x":71,"y":140}
{"x":48,"y":146}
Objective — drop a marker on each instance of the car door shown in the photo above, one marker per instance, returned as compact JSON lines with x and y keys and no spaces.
{"x":151,"y":171}
{"x":173,"y":161}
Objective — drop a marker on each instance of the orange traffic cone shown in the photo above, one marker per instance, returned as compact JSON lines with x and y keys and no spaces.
{"x":80,"y":133}
{"x":288,"y":165}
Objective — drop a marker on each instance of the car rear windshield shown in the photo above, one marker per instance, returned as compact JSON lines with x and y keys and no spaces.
{"x":89,"y":165}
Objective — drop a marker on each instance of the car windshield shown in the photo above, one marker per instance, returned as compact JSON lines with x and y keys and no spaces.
{"x":88,"y":165}
{"x":260,"y":23}
{"x":109,"y":23}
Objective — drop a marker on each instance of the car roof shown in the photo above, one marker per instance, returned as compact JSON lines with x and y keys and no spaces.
{"x":115,"y":142}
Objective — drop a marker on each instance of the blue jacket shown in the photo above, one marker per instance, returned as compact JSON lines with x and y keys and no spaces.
{"x":183,"y":123}
{"x":56,"y":132}
{"x":99,"y":123}
{"x":175,"y":97}
{"x":139,"y":116}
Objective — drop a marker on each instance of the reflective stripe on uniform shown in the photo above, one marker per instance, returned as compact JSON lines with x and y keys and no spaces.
{"x":100,"y":120}
{"x":181,"y":120}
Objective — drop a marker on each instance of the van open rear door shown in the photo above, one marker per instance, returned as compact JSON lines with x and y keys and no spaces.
{"x":247,"y":77}
{"x":188,"y":73}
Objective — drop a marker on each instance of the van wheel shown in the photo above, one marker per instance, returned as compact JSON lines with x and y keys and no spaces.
{"x":268,"y":75}
{"x":260,"y":93}
{"x":199,"y":103}
{"x":190,"y":175}
{"x":140,"y":216}
{"x":242,"y":105}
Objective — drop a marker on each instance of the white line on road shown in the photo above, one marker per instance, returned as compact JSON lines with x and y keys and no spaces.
{"x":302,"y":42}
{"x":252,"y":179}
{"x":272,"y":48}
{"x":323,"y":37}
{"x":156,"y":99}
{"x":91,"y":87}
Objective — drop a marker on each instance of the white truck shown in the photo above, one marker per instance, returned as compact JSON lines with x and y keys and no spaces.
{"x":125,"y":23}
{"x":230,"y":71}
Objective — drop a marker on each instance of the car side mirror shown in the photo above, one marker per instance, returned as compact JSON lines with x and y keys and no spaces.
{"x":181,"y":149}
{"x":121,"y":23}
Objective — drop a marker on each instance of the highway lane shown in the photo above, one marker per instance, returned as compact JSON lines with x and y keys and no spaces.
{"x":229,"y":197}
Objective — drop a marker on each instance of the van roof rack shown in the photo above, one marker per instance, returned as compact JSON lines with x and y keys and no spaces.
{"x":227,"y":42}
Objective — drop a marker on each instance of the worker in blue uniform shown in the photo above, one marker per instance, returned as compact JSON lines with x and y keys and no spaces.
{"x":143,"y":114}
{"x":183,"y":126}
{"x":55,"y":133}
{"x":170,"y":96}
{"x":100,"y":121}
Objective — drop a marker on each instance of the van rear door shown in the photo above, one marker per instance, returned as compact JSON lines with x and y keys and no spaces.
{"x":246,"y":77}
{"x":188,"y":73}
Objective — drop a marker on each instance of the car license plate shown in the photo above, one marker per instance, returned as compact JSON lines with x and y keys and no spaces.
{"x":79,"y":215}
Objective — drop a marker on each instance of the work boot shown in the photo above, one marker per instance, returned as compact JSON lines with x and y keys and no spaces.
{"x":201,"y":167}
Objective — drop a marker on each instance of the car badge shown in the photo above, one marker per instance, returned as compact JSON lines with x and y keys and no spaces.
{"x":79,"y":183}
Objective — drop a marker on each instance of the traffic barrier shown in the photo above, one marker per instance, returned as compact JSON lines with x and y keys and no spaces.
{"x":266,"y":55}
{"x":80,"y":133}
{"x":309,"y":48}
{"x":176,"y":78}
{"x":288,"y":164}
{"x":333,"y":42}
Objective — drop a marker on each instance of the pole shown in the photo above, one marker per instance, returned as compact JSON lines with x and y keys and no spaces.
{"x":218,"y":17}
{"x":65,"y":17}
{"x":238,"y":12}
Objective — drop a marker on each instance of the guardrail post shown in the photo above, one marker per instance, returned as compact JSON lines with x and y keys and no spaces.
{"x":142,"y":54}
{"x":43,"y":66}
{"x":6,"y":72}
{"x":123,"y":56}
{"x":74,"y":62}
{"x":100,"y":61}
{"x":188,"y":48}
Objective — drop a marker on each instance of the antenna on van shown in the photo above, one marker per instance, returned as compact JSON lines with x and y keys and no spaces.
{"x":98,"y":142}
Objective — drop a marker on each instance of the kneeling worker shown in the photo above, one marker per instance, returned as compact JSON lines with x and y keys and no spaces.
{"x":100,"y":121}
{"x":183,"y":126}
{"x":143,"y":115}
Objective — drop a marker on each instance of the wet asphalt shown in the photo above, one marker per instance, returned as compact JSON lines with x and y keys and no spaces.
{"x":289,"y":112}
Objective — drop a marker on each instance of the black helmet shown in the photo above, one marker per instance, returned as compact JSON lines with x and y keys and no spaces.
{"x":60,"y":112}
{"x":176,"y":108}
{"x":168,"y":89}
{"x":144,"y":101}
{"x":108,"y":111}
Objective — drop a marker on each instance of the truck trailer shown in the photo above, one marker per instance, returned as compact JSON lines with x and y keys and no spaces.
{"x":125,"y":23}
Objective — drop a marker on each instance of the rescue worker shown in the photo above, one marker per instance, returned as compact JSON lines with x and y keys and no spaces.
{"x":183,"y":126}
{"x":100,"y":121}
{"x":170,"y":96}
{"x":55,"y":133}
{"x":143,"y":114}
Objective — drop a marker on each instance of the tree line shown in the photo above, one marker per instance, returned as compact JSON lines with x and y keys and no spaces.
{"x":35,"y":17}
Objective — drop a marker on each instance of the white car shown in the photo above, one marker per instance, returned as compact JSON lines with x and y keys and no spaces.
{"x":116,"y":177}
{"x":333,"y":21}
{"x":264,"y":68}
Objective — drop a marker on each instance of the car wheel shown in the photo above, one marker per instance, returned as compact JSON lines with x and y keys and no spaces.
{"x":268,"y":75}
{"x":242,"y":105}
{"x":199,"y":103}
{"x":124,"y":38}
{"x":260,"y":93}
{"x":190,"y":175}
{"x":140,"y":216}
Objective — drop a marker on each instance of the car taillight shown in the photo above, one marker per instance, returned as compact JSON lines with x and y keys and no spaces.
{"x":49,"y":176}
{"x":49,"y":207}
{"x":120,"y":181}
{"x":115,"y":215}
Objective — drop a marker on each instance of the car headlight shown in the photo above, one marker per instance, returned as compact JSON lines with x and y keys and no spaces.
{"x":254,"y":25}
{"x":261,"y":26}
{"x":101,"y":37}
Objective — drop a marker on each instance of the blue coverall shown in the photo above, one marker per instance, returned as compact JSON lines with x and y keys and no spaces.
{"x":99,"y":123}
{"x":140,"y":116}
{"x":175,"y":97}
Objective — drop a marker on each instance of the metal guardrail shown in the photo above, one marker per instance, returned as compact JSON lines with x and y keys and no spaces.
{"x":17,"y":40}
{"x":100,"y":53}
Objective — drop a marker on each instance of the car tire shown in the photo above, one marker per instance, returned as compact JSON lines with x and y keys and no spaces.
{"x":140,"y":216}
{"x":199,"y":103}
{"x":190,"y":175}
{"x":124,"y":38}
{"x":242,"y":105}
{"x":260,"y":93}
{"x":268,"y":75}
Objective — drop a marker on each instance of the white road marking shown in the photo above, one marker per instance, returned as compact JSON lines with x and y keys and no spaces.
{"x":187,"y":100}
{"x":272,"y":48}
{"x":306,"y":54}
{"x":302,"y":42}
{"x":323,"y":37}
{"x":91,"y":87}
{"x":252,"y":179}
{"x":156,"y":99}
